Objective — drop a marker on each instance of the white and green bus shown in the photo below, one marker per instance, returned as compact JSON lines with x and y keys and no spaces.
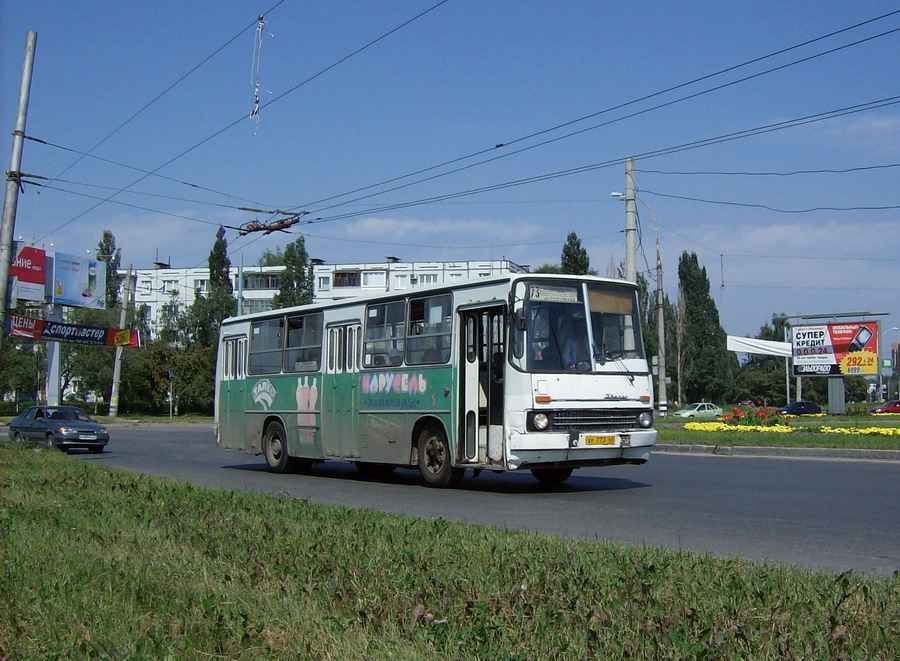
{"x":545,"y":373}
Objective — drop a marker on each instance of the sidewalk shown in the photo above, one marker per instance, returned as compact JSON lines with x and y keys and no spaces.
{"x":757,"y":451}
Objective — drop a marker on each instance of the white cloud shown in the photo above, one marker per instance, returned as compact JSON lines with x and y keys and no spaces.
{"x":874,"y":132}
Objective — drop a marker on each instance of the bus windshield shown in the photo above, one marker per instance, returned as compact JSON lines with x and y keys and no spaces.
{"x":577,"y":327}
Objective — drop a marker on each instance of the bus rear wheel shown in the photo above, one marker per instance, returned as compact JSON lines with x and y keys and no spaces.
{"x":551,"y":477}
{"x":275,"y":448}
{"x":435,"y":460}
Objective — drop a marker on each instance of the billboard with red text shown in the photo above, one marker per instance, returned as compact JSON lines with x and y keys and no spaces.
{"x":28,"y":273}
{"x":835,"y":349}
{"x":56,"y":331}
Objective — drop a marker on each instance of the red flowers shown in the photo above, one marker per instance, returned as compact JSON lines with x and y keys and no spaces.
{"x":756,"y":417}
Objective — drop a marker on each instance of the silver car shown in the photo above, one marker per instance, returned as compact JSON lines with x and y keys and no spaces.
{"x":703,"y":410}
{"x":62,"y":427}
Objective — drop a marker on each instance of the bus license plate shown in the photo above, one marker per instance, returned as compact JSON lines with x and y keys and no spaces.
{"x":599,"y":440}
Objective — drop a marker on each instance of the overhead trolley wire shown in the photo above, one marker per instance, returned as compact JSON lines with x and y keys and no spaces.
{"x":243,"y":116}
{"x":792,"y":123}
{"x":777,"y":126}
{"x":772,"y":174}
{"x":618,"y":107}
{"x":130,"y":167}
{"x":162,"y":94}
{"x":767,"y":207}
{"x":675,"y":87}
{"x":523,"y":138}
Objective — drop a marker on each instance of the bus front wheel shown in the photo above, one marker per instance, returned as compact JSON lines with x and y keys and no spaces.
{"x":435,"y":460}
{"x":551,"y":477}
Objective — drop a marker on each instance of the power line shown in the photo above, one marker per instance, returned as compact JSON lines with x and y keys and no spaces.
{"x":610,"y":109}
{"x":578,"y":170}
{"x":161,"y":94}
{"x":773,"y":174}
{"x":131,"y":167}
{"x":825,"y":258}
{"x":675,"y":87}
{"x":237,"y":121}
{"x":769,"y":208}
{"x":26,"y":177}
{"x":808,"y":287}
{"x":132,"y":206}
{"x":777,"y":126}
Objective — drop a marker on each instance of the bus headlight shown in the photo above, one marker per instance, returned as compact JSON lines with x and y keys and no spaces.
{"x":645,"y":420}
{"x":540,"y":421}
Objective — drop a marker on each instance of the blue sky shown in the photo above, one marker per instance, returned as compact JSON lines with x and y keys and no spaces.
{"x":458,"y":80}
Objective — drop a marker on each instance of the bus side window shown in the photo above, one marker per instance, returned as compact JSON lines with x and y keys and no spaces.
{"x":428,"y":331}
{"x":266,"y":339}
{"x":303,"y":350}
{"x":384,"y":341}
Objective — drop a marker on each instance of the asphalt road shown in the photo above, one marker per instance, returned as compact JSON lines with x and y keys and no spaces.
{"x":820,"y":513}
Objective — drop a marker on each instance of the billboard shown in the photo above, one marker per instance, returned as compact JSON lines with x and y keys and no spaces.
{"x":835,"y":349}
{"x":28,"y":272}
{"x":79,"y":281}
{"x":56,"y":331}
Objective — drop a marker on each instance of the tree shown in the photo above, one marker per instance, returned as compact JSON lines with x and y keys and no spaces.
{"x":21,"y":371}
{"x":708,"y":366}
{"x":197,"y":334}
{"x":171,"y":321}
{"x":762,"y":378}
{"x":296,"y":279}
{"x":108,"y":252}
{"x":575,"y":258}
{"x":90,"y":368}
{"x":201,"y":323}
{"x":271,"y":257}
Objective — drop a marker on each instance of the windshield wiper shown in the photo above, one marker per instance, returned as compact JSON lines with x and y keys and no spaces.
{"x":604,"y":353}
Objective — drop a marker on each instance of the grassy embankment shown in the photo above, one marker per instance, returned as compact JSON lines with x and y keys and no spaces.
{"x":101,"y":563}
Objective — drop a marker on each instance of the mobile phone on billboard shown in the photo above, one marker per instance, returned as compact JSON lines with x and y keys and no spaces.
{"x":863,"y":335}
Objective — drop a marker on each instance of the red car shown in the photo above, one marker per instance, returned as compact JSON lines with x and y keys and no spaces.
{"x":888,"y":407}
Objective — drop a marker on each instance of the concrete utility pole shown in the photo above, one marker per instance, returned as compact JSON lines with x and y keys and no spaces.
{"x":11,"y":201}
{"x":117,"y":365}
{"x":630,"y":223}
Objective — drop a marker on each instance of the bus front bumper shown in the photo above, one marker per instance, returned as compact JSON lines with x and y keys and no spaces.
{"x":579,"y":449}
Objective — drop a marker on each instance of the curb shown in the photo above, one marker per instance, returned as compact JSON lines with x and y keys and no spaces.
{"x":758,"y":451}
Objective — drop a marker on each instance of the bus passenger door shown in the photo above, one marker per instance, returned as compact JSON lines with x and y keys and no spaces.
{"x":482,"y":368}
{"x":340,"y":408}
{"x":231,"y":405}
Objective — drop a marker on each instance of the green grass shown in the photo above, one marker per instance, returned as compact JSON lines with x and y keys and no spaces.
{"x":795,"y":439}
{"x":102,"y":563}
{"x":126,"y":419}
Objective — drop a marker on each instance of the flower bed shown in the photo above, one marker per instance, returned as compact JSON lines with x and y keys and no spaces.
{"x":786,"y":429}
{"x":868,"y":431}
{"x":755,"y":418}
{"x":725,"y":426}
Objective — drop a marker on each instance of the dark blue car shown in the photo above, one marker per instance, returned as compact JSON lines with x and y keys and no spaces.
{"x":799,"y":408}
{"x":62,"y":427}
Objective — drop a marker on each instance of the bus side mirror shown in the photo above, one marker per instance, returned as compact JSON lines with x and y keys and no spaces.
{"x":519,"y":319}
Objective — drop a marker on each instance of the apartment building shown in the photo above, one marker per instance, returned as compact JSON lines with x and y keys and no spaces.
{"x":255,"y":286}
